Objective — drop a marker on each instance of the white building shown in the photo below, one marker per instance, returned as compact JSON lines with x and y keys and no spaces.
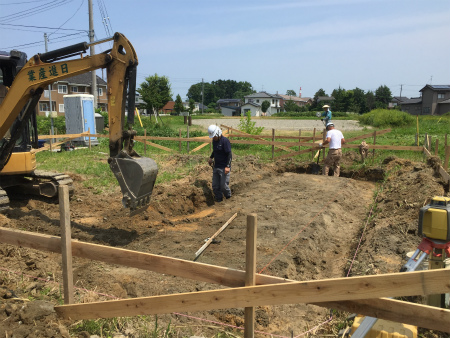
{"x":253,"y":103}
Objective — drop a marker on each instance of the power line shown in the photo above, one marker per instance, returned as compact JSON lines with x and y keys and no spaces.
{"x":82,"y":2}
{"x":34,"y":11}
{"x":43,"y":27}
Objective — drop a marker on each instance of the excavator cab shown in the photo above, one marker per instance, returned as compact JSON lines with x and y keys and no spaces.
{"x":22,"y":83}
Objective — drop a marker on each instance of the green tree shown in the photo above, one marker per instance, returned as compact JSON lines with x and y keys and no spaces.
{"x":340,"y":100}
{"x":370,"y":100}
{"x":178,"y":107}
{"x":291,"y":92}
{"x":220,"y":89}
{"x":191,"y":106}
{"x":383,"y":96}
{"x":264,"y":106}
{"x":155,"y":92}
{"x":290,"y":106}
{"x":359,"y":101}
{"x":319,"y":93}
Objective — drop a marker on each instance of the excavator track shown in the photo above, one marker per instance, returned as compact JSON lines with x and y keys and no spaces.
{"x":53,"y":178}
{"x":4,"y":201}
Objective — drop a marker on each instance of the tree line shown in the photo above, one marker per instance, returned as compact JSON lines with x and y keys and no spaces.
{"x":156,"y":92}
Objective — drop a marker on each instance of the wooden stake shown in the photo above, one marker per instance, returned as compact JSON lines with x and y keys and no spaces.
{"x":188,"y":137}
{"x":436,"y":147}
{"x":299,"y":139}
{"x":273,"y":146}
{"x":66,"y":243}
{"x":374,"y":142}
{"x":179,"y":133}
{"x":250,"y":273}
{"x":314,"y":141}
{"x":208,"y":242}
{"x":145,"y":142}
{"x":89,"y":137}
{"x":447,"y":155}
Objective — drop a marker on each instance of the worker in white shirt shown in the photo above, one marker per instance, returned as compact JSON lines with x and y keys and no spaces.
{"x":335,"y":138}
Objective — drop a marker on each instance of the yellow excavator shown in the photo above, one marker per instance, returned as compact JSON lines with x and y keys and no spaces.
{"x":23,"y":81}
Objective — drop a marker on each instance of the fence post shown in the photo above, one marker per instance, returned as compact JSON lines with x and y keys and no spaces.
{"x":89,"y":137}
{"x":66,"y":243}
{"x":179,"y":135}
{"x":425,"y":142}
{"x":188,"y":138}
{"x":273,"y":146}
{"x":250,"y":273}
{"x":436,"y":147}
{"x":299,"y":138}
{"x":447,"y":155}
{"x":314,"y":141}
{"x":374,"y":142}
{"x":145,"y":142}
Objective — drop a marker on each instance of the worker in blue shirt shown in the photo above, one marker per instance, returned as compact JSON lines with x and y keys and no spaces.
{"x":326,"y":114}
{"x":221,"y":158}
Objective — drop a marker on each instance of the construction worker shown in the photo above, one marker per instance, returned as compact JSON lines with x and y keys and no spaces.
{"x":221,"y":158}
{"x":326,"y":114}
{"x":335,"y":138}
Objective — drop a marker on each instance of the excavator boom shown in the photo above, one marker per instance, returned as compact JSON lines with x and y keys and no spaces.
{"x":136,"y":175}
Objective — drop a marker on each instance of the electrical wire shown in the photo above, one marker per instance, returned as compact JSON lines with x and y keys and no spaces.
{"x":33,"y":11}
{"x":82,"y":2}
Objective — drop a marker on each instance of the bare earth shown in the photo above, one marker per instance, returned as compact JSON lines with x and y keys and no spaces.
{"x":280,"y":124}
{"x":308,"y":228}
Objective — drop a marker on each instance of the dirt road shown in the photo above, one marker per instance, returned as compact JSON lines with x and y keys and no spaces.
{"x":282,"y":124}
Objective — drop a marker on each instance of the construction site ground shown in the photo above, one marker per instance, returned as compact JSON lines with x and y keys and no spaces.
{"x":309,"y":227}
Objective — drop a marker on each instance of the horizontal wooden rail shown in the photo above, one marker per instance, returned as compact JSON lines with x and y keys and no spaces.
{"x":192,"y":270}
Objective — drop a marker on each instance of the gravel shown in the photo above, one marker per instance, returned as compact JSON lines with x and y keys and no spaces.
{"x":281,"y":124}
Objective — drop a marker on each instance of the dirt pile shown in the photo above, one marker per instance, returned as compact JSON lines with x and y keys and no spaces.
{"x":308,"y":228}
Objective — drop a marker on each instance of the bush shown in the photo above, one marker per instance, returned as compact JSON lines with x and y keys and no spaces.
{"x":44,"y":124}
{"x":248,"y":126}
{"x":382,"y":118}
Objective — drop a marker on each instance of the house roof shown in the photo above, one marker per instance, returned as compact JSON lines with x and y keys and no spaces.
{"x":263,"y":95}
{"x":412,"y":100}
{"x":252,"y":104}
{"x":436,"y":87}
{"x":295,"y":98}
{"x":84,"y":79}
{"x":228,"y":100}
{"x":400,"y":98}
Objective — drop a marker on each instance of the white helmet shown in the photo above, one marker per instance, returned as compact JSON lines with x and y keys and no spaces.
{"x":214,"y":130}
{"x":329,"y":124}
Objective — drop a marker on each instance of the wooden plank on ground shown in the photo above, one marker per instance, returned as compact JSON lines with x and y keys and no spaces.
{"x":337,"y":289}
{"x":209,"y":241}
{"x":166,"y":265}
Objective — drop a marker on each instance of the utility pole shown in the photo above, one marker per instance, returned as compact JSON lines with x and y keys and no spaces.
{"x":203,"y":94}
{"x":49,"y":90}
{"x":401,"y":87}
{"x":92,"y":51}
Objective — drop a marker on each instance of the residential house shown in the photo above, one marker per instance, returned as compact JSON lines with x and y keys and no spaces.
{"x":253,"y":102}
{"x":197,"y":107}
{"x":397,"y":101}
{"x":229,"y":107}
{"x":299,"y":101}
{"x":79,"y":84}
{"x":435,"y":100}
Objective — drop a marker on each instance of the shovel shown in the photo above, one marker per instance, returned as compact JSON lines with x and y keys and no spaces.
{"x":315,"y":166}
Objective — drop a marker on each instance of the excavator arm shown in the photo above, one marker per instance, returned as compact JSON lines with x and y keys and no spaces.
{"x":136,"y":175}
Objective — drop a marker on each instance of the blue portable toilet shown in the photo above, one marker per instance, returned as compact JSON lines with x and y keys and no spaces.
{"x":80,"y":117}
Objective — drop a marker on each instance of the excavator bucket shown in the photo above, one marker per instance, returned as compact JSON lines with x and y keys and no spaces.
{"x":136,"y":177}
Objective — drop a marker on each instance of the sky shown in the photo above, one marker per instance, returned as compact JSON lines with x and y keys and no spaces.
{"x":275,"y":45}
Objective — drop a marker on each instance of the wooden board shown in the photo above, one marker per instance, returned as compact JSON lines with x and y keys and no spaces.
{"x":337,"y":289}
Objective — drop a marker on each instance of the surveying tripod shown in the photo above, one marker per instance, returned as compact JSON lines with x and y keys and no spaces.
{"x":437,"y":251}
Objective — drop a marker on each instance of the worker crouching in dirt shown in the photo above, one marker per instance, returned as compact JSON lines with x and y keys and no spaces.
{"x":335,"y":138}
{"x":220,"y":160}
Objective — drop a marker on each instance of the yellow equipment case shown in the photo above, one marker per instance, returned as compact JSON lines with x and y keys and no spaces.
{"x":434,"y":220}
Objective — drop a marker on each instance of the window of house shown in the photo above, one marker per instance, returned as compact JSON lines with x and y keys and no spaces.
{"x":61,"y":108}
{"x":74,"y":89}
{"x":100,"y":91}
{"x":257,"y":101}
{"x":441,"y":96}
{"x":43,"y":106}
{"x":273,"y":101}
{"x":62,"y":89}
{"x":46,"y":94}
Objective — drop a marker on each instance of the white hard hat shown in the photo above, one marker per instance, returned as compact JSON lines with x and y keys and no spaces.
{"x":214,"y":130}
{"x":326,"y":106}
{"x":329,"y":124}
